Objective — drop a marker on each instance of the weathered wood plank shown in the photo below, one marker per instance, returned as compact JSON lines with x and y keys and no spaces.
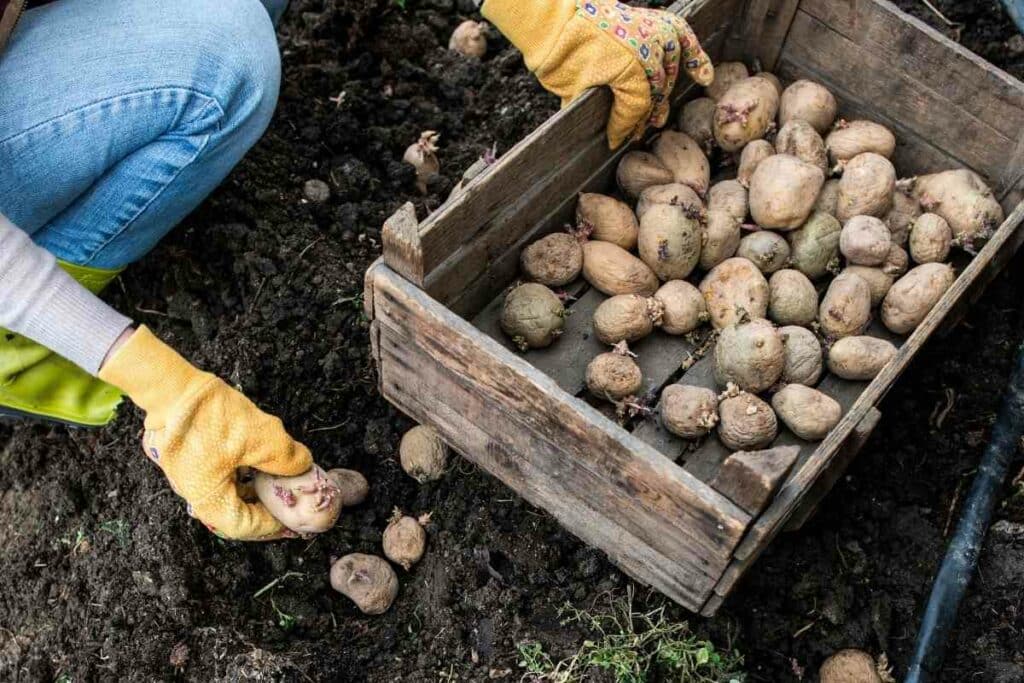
{"x":403,"y":250}
{"x":766,"y":25}
{"x":750,"y":478}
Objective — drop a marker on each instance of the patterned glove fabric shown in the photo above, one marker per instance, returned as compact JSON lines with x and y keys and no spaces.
{"x":573,"y":45}
{"x":200,"y":431}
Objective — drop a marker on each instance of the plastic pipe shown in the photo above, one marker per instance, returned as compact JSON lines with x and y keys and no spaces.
{"x":1015,"y":8}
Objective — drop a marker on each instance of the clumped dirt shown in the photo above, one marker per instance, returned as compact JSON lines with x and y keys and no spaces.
{"x":104,"y":576}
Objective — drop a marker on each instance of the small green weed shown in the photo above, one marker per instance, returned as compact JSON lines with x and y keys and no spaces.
{"x":119,"y":529}
{"x":284,"y":620}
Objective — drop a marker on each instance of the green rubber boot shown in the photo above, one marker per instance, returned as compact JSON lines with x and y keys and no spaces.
{"x":35,"y":382}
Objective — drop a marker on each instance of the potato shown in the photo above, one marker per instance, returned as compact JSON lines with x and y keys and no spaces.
{"x":423,"y":454}
{"x":745,"y":422}
{"x":731,"y":196}
{"x":859,"y":358}
{"x":814,"y":248}
{"x":878,"y":281}
{"x":675,"y":194}
{"x":307,"y":504}
{"x":897,"y":261}
{"x":554,"y":261}
{"x":828,"y":198}
{"x":683,"y":156}
{"x":639,"y":170}
{"x":607,"y":219}
{"x":783,"y":190}
{"x":745,"y":113}
{"x":771,"y":78}
{"x":914,"y":295}
{"x":964,"y":200}
{"x":697,"y":120}
{"x":865,"y":241}
{"x":930,"y":239}
{"x":767,"y":250}
{"x":808,"y":101}
{"x":901,"y":216}
{"x":687,"y":411}
{"x":614,"y":376}
{"x":613,"y":270}
{"x":802,"y":355}
{"x":353,"y":486}
{"x":732,"y":289}
{"x":727,"y":74}
{"x":749,"y":355}
{"x":683,"y":307}
{"x":798,"y":138}
{"x":367,"y":580}
{"x":807,"y":412}
{"x":669,"y":241}
{"x":846,"y":307}
{"x":533,"y":316}
{"x":404,"y":539}
{"x":626,"y":317}
{"x":792,"y":298}
{"x":850,"y":138}
{"x":867,"y":187}
{"x":849,"y":666}
{"x":753,"y":154}
{"x":721,"y":239}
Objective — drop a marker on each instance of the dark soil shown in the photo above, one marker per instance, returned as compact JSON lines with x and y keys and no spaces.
{"x":105,"y":577}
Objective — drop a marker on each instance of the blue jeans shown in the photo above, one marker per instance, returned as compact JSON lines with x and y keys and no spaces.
{"x":118,"y":117}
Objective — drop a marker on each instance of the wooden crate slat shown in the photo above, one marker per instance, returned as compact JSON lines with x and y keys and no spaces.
{"x":767,"y":24}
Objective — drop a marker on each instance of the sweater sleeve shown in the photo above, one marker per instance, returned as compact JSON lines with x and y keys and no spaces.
{"x":42,"y":302}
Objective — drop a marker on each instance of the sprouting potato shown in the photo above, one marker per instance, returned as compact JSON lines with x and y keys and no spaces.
{"x":669,"y":241}
{"x":850,"y":138}
{"x":802,"y":350}
{"x":897,"y":261}
{"x":745,"y":422}
{"x":533,"y":316}
{"x":727,"y":74}
{"x":792,"y":298}
{"x":553,"y":261}
{"x":307,"y":504}
{"x":607,"y":219}
{"x":808,"y":101}
{"x":423,"y":454}
{"x":733,"y":289}
{"x":905,"y":210}
{"x":849,"y":666}
{"x":639,"y":170}
{"x":683,"y":156}
{"x":697,"y":120}
{"x":878,"y":281}
{"x":846,"y":307}
{"x":814,"y":247}
{"x":750,"y":355}
{"x":798,"y":138}
{"x":914,"y":295}
{"x":751,"y":157}
{"x":807,"y":412}
{"x":367,"y":580}
{"x":614,"y":376}
{"x":721,"y":239}
{"x":683,"y":307}
{"x":930,"y":239}
{"x":771,"y":78}
{"x":353,"y":486}
{"x":767,"y":250}
{"x":404,"y":539}
{"x":731,"y":196}
{"x":964,"y":200}
{"x":675,"y":194}
{"x":613,"y":270}
{"x":865,"y":241}
{"x":688,"y":411}
{"x":828,"y":198}
{"x":783,"y":190}
{"x":867,"y":187}
{"x":859,"y":358}
{"x":744,"y":113}
{"x":626,"y":317}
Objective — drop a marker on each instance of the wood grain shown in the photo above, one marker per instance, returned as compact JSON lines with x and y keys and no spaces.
{"x":766,"y":25}
{"x":403,"y":250}
{"x":750,"y":478}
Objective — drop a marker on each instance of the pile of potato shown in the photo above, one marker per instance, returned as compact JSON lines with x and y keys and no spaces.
{"x":806,"y":238}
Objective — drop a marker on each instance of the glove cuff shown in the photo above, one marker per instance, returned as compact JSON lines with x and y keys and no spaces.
{"x":533,"y":26}
{"x":150,"y":372}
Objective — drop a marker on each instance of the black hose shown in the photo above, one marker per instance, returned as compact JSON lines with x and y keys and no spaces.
{"x":962,"y":555}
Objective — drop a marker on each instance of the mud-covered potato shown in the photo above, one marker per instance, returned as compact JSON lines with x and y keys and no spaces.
{"x":867,"y":187}
{"x":352,"y":485}
{"x":639,"y":170}
{"x":732,"y":289}
{"x":613,"y":270}
{"x":731,"y":196}
{"x":850,"y":138}
{"x":802,"y":350}
{"x":721,"y":239}
{"x":914,"y":295}
{"x":792,"y":298}
{"x":807,"y":412}
{"x":404,"y":539}
{"x":751,"y":157}
{"x":366,"y":580}
{"x":307,"y":504}
{"x":859,"y":358}
{"x":745,"y":422}
{"x":905,"y":210}
{"x":964,"y":200}
{"x":798,"y":138}
{"x":683,"y":156}
{"x":688,"y":411}
{"x":554,"y":261}
{"x":697,"y":119}
{"x":846,"y":307}
{"x":767,"y":250}
{"x":744,"y":113}
{"x":783,"y":190}
{"x":669,"y":241}
{"x":828,"y":198}
{"x":930,"y":239}
{"x":423,"y":454}
{"x":878,"y":281}
{"x":683,"y":307}
{"x":606,"y":219}
{"x":849,"y":666}
{"x":865,"y":241}
{"x":675,"y":194}
{"x":814,"y":247}
{"x":614,"y":376}
{"x":533,"y":316}
{"x":626,"y":317}
{"x":897,"y":262}
{"x":727,"y":74}
{"x":808,"y":101}
{"x":749,"y":355}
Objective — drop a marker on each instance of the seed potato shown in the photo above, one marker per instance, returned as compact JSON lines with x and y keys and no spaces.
{"x":353,"y":486}
{"x":669,"y":241}
{"x":683,"y":156}
{"x":367,"y":580}
{"x":802,"y":355}
{"x":423,"y":454}
{"x":914,"y":295}
{"x":613,"y":270}
{"x":767,"y":250}
{"x":307,"y":504}
{"x":533,"y":316}
{"x":614,"y":376}
{"x":733,"y":289}
{"x":771,"y":78}
{"x":849,"y":666}
{"x":814,"y":247}
{"x":727,"y":74}
{"x":554,"y":261}
{"x":930,"y":239}
{"x":828,"y":198}
{"x":798,"y":138}
{"x":688,"y":411}
{"x":859,"y":358}
{"x":807,"y":412}
{"x":697,"y":120}
{"x":675,"y":194}
{"x":865,"y":241}
{"x":867,"y":187}
{"x":792,"y":298}
{"x":639,"y":170}
{"x":607,"y":219}
{"x":751,"y":157}
{"x":745,"y":422}
{"x":749,"y":355}
{"x":846,"y":307}
{"x":964,"y":200}
{"x":808,"y":101}
{"x":744,"y":113}
{"x":626,"y":317}
{"x":905,"y":210}
{"x":404,"y":539}
{"x":850,"y":138}
{"x":721,"y":239}
{"x":878,"y":281}
{"x":783,"y":190}
{"x":683,"y":307}
{"x":731,"y":196}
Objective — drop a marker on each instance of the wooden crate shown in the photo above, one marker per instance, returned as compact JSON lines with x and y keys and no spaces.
{"x":433,"y":297}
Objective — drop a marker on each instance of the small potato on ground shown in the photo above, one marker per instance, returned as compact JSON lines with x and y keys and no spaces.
{"x":626,"y":317}
{"x":639,"y":170}
{"x":846,"y":307}
{"x":404,"y":539}
{"x":683,"y":307}
{"x":808,"y":101}
{"x":553,"y":261}
{"x":849,"y":666}
{"x":612,"y":270}
{"x":751,"y":157}
{"x":807,"y":412}
{"x":865,"y":241}
{"x":814,"y":247}
{"x":803,"y":356}
{"x":688,"y":411}
{"x":792,"y":298}
{"x":783,"y":190}
{"x":749,"y":355}
{"x":367,"y":580}
{"x":745,"y":422}
{"x":307,"y":504}
{"x":733,"y":289}
{"x":914,"y":295}
{"x":533,"y":316}
{"x":604,"y":218}
{"x":767,"y":250}
{"x":423,"y":454}
{"x":859,"y":358}
{"x":469,"y":39}
{"x":614,"y":376}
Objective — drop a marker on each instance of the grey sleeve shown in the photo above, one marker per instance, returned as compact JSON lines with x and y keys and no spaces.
{"x":42,"y":302}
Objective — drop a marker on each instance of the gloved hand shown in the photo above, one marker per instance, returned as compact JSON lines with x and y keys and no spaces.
{"x":200,"y":431}
{"x":573,"y":45}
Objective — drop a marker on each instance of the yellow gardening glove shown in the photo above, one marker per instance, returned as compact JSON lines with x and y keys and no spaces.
{"x":200,"y":431}
{"x":573,"y":45}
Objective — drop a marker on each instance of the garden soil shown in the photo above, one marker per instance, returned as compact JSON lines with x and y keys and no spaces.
{"x":103,"y":576}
